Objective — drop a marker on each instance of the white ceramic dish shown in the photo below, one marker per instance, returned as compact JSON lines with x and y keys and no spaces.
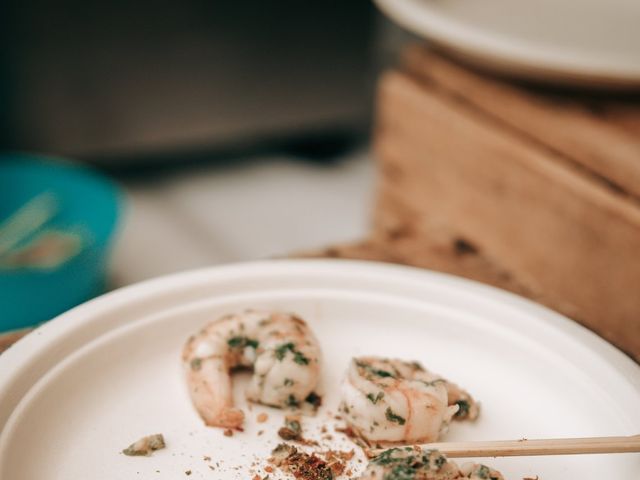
{"x":82,"y":387}
{"x":577,"y":42}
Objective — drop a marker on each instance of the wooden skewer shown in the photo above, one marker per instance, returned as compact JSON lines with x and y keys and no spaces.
{"x":524,"y":447}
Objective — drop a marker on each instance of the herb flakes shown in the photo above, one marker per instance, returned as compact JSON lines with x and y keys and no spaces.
{"x":298,"y":357}
{"x":314,"y":399}
{"x":242,"y":342}
{"x":392,"y":417}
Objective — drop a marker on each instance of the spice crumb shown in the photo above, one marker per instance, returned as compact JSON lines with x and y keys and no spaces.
{"x":292,"y":429}
{"x":263,"y":417}
{"x":145,"y":446}
{"x":228,"y":432}
{"x":301,"y":465}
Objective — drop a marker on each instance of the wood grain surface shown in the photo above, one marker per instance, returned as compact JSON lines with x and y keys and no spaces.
{"x":544,"y":190}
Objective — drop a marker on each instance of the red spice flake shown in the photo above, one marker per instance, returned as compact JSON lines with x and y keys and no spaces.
{"x":228,"y":432}
{"x":301,"y":465}
{"x":257,"y":477}
{"x":346,"y":456}
{"x":348,"y":431}
{"x":268,"y":469}
{"x":336,"y":460}
{"x":263,"y":417}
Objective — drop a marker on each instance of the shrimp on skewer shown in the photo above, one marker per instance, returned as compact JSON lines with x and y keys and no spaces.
{"x":416,"y":464}
{"x":393,"y":401}
{"x":280,"y":347}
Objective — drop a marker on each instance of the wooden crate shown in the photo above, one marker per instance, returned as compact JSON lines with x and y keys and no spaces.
{"x":542,"y":187}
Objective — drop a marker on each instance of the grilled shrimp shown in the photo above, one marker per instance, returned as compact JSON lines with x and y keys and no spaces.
{"x":416,"y":464}
{"x":393,"y":401}
{"x":281,"y":349}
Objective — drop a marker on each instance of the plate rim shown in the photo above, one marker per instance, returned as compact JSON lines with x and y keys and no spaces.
{"x":18,"y":357}
{"x":507,"y":55}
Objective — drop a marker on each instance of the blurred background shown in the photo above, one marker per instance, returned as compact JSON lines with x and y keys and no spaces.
{"x":238,"y":130}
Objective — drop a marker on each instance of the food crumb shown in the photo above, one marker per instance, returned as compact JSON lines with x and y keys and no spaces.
{"x":228,"y":432}
{"x":301,"y":465}
{"x":206,"y":458}
{"x":187,"y":473}
{"x":292,"y":430}
{"x":263,"y":417}
{"x":145,"y":446}
{"x":260,"y":432}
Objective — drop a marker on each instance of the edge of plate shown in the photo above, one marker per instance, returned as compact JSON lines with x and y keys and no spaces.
{"x":506,"y":56}
{"x":16,"y":360}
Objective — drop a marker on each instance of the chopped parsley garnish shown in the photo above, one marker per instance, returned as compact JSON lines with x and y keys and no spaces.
{"x":463,"y":408}
{"x":241,"y":342}
{"x":405,"y":464}
{"x":386,"y":457}
{"x":375,"y":371}
{"x":375,"y":398}
{"x":433,"y":382}
{"x":440,"y":461}
{"x":196,"y":364}
{"x":298,"y":357}
{"x":314,"y":399}
{"x":392,"y":417}
{"x":401,"y":472}
{"x":483,"y":472}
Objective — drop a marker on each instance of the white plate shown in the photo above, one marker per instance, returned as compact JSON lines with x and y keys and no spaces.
{"x":82,"y":387}
{"x":584,"y":42}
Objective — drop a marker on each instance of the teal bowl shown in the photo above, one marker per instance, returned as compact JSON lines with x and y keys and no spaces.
{"x":57,"y":223}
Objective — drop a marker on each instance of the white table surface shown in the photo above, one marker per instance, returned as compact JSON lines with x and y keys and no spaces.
{"x":211,"y":214}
